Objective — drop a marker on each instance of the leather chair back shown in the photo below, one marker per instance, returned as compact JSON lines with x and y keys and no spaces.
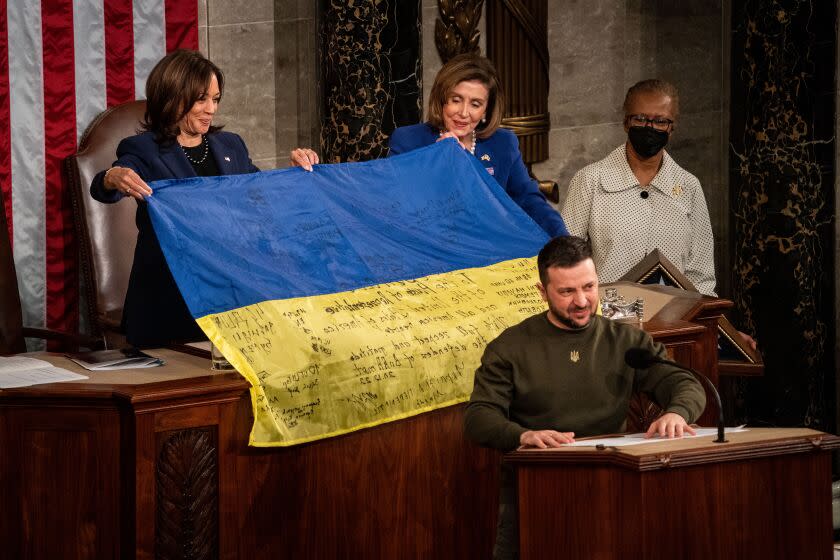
{"x":11,"y":320}
{"x":107,"y":232}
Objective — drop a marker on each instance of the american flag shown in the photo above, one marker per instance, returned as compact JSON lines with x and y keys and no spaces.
{"x":61,"y":63}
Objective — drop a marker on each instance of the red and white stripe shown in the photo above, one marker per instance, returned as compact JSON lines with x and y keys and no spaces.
{"x":61,"y":63}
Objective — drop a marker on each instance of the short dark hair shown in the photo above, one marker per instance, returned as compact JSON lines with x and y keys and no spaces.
{"x":462,"y":68}
{"x":176,"y":82}
{"x":653,"y":86}
{"x":563,"y":252}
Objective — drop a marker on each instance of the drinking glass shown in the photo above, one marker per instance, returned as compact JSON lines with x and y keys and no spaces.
{"x":218,"y":362}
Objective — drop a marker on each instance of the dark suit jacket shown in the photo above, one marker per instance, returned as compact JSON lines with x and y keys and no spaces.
{"x":501,"y":157}
{"x":155,"y":314}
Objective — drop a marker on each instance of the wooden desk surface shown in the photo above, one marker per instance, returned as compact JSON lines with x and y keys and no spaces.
{"x":181,"y":371}
{"x":753,"y":443}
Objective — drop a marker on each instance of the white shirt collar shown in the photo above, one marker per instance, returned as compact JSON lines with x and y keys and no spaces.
{"x":625,"y":179}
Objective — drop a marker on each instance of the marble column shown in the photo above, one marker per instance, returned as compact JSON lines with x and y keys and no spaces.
{"x":372,"y":75}
{"x":782,"y":175}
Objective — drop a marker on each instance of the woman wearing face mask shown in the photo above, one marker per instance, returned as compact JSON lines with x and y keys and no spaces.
{"x":638,"y":199}
{"x":182,"y":95}
{"x":466,"y":104}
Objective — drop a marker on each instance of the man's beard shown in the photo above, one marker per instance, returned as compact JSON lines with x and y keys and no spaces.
{"x":567,"y":320}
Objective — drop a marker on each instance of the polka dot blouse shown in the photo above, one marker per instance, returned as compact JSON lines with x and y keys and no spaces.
{"x":625,"y":222}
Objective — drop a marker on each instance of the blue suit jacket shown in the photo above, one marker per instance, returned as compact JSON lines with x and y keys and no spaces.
{"x":501,"y":157}
{"x":154,"y":313}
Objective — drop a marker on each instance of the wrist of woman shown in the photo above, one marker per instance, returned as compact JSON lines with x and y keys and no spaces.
{"x":105,"y":179}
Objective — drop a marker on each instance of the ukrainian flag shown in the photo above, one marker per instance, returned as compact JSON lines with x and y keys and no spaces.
{"x":354,"y":295}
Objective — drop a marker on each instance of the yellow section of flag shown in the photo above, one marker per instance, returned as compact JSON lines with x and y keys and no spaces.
{"x":325,"y":365}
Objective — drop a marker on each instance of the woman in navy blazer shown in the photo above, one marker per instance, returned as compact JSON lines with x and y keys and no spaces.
{"x":466,"y":104}
{"x":182,"y":95}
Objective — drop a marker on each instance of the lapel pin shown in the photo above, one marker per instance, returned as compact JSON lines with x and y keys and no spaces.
{"x":677,"y":190}
{"x":485,"y":157}
{"x":227,"y":158}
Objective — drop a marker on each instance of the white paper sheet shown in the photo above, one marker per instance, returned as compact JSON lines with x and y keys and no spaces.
{"x":636,"y":439}
{"x":18,"y":371}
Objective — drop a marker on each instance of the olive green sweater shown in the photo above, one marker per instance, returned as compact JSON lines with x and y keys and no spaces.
{"x":536,"y":376}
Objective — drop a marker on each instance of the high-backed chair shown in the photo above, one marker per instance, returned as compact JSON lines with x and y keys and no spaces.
{"x":11,"y":321}
{"x":106,"y":232}
{"x":12,"y":331}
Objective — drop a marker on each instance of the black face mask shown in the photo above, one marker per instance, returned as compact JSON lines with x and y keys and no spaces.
{"x":646,"y":140}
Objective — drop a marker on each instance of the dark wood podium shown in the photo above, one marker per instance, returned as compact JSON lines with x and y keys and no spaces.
{"x":156,"y":463}
{"x":766,"y":494}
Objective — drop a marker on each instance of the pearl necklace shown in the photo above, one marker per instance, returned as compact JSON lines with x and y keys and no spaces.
{"x":203,"y":155}
{"x":472,"y":148}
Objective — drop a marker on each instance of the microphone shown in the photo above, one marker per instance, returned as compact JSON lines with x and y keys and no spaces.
{"x":641,"y":358}
{"x":643,"y":194}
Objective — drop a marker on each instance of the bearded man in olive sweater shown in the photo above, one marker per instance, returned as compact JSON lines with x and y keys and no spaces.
{"x":562,"y":373}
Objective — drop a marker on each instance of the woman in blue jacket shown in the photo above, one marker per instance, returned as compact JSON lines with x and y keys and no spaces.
{"x":182,"y":95}
{"x":466,"y":104}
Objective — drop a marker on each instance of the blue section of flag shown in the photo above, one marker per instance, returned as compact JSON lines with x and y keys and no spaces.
{"x":233,"y":241}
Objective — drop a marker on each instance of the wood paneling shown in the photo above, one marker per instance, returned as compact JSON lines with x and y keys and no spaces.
{"x":59,"y":485}
{"x":770,"y":498}
{"x":408,"y":489}
{"x":401,"y":490}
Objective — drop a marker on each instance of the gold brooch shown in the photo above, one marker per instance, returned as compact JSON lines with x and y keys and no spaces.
{"x":574,"y":356}
{"x":677,"y":190}
{"x":485,"y":157}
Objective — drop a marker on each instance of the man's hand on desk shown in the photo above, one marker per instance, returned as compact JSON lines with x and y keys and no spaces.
{"x":669,"y":425}
{"x":546,"y":438}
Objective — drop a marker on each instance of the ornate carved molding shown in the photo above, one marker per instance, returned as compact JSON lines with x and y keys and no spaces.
{"x":534,"y":30}
{"x":186,"y":524}
{"x":456,"y":30}
{"x":517,"y":43}
{"x":528,"y":124}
